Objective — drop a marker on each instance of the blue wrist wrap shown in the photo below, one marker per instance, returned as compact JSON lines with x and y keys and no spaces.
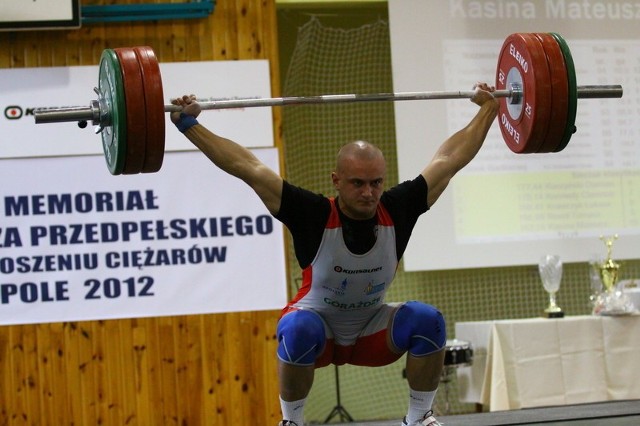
{"x":186,"y":122}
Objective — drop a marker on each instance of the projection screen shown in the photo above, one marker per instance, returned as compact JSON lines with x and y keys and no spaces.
{"x":508,"y":209}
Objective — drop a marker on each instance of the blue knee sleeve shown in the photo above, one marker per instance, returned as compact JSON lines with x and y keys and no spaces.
{"x":301,"y":337}
{"x":418,"y":328}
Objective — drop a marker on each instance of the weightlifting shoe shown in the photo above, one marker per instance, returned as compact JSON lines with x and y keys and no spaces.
{"x":427,"y":420}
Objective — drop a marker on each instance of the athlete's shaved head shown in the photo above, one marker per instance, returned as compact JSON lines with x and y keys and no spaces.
{"x":357,"y":150}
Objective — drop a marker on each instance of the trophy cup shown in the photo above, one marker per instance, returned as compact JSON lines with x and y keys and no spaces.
{"x":550,"y":268}
{"x":595,"y":279}
{"x":612,"y":301}
{"x":609,"y":268}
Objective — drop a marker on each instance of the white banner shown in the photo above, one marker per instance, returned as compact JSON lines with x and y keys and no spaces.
{"x":23,"y":11}
{"x":77,"y":243}
{"x":24,"y":89}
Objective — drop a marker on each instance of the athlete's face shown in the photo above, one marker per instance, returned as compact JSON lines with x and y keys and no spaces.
{"x":359,"y":182}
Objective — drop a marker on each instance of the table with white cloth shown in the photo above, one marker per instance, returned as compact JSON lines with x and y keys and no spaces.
{"x":543,"y":362}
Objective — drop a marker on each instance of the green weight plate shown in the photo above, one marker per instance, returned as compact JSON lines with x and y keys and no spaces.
{"x":111,"y":88}
{"x":570,"y":128}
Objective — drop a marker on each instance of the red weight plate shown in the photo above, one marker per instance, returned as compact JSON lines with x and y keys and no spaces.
{"x":559,"y":93}
{"x":136,"y":115}
{"x":154,"y":102}
{"x":570,"y":127}
{"x":522,"y":60}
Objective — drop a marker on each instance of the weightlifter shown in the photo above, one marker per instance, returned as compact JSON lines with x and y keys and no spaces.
{"x":348,"y":248}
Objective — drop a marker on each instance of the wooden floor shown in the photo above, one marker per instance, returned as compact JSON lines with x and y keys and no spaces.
{"x":615,"y":413}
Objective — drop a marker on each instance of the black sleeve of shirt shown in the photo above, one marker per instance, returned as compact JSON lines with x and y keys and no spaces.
{"x":305,"y":214}
{"x":405,"y":203}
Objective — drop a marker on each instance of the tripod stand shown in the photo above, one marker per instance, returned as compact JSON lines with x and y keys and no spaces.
{"x":338,"y":410}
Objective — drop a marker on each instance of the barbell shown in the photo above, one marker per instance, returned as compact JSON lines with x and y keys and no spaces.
{"x":535,"y":83}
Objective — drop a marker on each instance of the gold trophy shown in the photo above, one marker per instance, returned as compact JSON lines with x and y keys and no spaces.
{"x":550,"y":268}
{"x":612,"y":301}
{"x":609,"y":268}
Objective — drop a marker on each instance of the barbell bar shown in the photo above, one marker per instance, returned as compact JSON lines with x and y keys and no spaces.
{"x":92,"y":112}
{"x":535,"y":81}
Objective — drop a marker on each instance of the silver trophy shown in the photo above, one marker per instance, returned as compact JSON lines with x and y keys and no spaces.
{"x":595,"y":279}
{"x":550,"y":268}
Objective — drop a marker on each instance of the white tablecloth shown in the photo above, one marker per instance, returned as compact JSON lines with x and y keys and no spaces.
{"x":542,"y":362}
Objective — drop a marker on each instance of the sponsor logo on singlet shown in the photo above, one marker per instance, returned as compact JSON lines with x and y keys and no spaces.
{"x":351,"y":306}
{"x":339,"y":269}
{"x":338,"y":291}
{"x":372,"y":289}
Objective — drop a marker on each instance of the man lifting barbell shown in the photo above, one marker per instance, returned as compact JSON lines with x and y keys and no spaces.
{"x":349,"y":248}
